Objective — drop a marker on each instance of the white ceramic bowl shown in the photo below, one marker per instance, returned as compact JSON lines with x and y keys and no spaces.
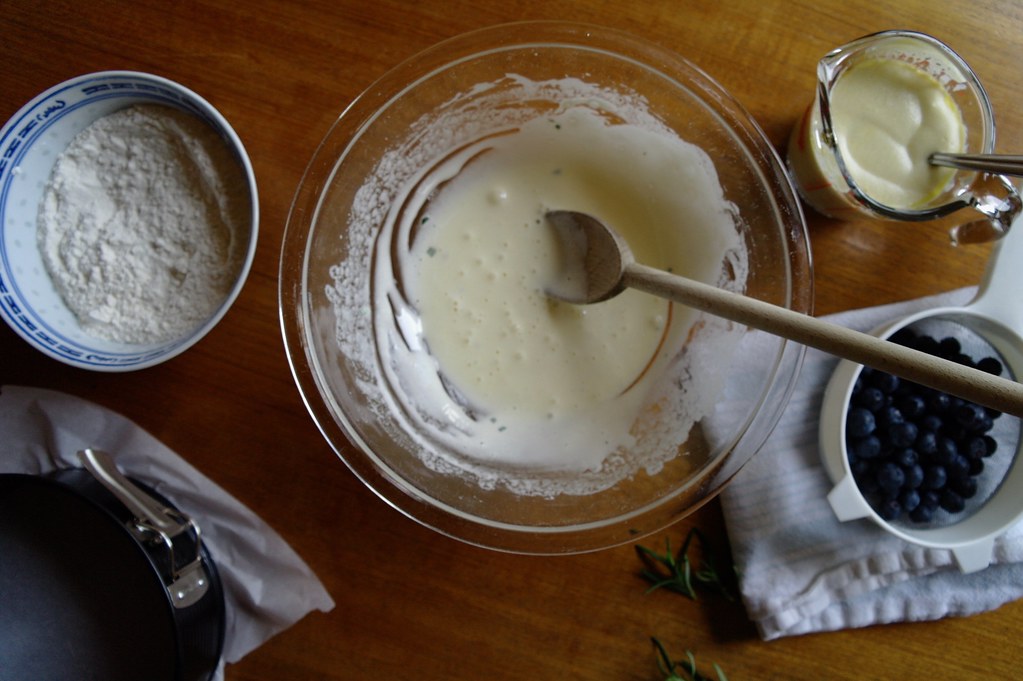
{"x":990,"y":325}
{"x":30,"y":143}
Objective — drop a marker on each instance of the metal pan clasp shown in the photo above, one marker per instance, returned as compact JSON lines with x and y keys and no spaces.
{"x":156,"y":522}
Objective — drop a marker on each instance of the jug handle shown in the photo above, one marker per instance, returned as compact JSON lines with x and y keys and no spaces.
{"x":1000,"y":294}
{"x":996,"y":198}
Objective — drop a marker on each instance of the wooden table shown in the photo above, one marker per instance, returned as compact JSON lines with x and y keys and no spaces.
{"x":410,"y":603}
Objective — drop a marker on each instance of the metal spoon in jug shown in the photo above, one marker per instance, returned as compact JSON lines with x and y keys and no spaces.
{"x":999,"y":164}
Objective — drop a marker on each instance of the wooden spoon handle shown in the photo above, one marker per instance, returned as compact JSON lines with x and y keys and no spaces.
{"x":941,"y":374}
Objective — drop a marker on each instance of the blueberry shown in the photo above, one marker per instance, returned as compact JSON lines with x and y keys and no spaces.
{"x":904,"y":336}
{"x":889,"y":416}
{"x":905,"y":457}
{"x":870,"y":398}
{"x":955,"y":432}
{"x":866,"y":448}
{"x":914,"y":476}
{"x":890,"y":509}
{"x":909,"y":499}
{"x":951,"y":502}
{"x":958,"y":468}
{"x":926,"y":443}
{"x":902,"y":433}
{"x":866,"y":482}
{"x":885,"y":382}
{"x":922,"y":514}
{"x":946,"y":451}
{"x":991,"y":365}
{"x":906,"y":389}
{"x":859,"y":423}
{"x":868,"y":485}
{"x":890,"y":478}
{"x":965,"y":488}
{"x":931,"y":423}
{"x":938,"y":403}
{"x":976,"y":467}
{"x":911,"y":405}
{"x":974,"y":448}
{"x":861,"y":468}
{"x":991,"y":444}
{"x":864,"y":380}
{"x":927,"y":344}
{"x":971,"y":416}
{"x":949,"y":347}
{"x":935,"y":477}
{"x":965,"y":360}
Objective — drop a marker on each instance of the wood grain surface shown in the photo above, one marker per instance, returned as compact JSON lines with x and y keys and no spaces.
{"x":412,"y":604}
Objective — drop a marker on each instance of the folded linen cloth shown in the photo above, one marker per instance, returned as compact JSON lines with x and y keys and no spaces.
{"x":801,"y":570}
{"x":267,"y":586}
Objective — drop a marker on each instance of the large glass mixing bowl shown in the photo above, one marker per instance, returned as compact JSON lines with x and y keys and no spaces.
{"x":346,"y":346}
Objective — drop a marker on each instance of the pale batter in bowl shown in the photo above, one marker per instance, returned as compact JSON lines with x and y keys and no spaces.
{"x":416,"y":258}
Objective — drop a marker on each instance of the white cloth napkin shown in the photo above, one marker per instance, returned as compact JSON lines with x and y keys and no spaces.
{"x":267,"y":586}
{"x":801,"y":570}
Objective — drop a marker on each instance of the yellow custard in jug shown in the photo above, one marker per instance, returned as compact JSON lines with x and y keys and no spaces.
{"x":888,"y":117}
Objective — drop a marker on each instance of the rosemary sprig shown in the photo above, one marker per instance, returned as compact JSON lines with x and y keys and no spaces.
{"x":687,"y":666}
{"x":675,"y":572}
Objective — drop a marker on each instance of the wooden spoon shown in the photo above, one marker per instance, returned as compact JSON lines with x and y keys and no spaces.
{"x":599,"y":265}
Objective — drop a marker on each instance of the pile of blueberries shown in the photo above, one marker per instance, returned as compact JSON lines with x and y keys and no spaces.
{"x":912,"y":449}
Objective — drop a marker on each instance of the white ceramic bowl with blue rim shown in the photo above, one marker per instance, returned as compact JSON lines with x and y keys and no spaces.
{"x":30,"y":143}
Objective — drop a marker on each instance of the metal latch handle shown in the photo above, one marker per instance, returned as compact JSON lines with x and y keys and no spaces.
{"x":188,"y":583}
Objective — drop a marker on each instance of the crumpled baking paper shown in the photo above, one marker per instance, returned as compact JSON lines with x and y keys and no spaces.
{"x":267,"y":586}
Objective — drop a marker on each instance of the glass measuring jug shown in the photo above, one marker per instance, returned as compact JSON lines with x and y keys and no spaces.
{"x":850,"y":155}
{"x":990,"y":325}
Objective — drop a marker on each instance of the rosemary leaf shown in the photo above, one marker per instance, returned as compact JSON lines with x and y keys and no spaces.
{"x":673,"y":668}
{"x":675,"y":572}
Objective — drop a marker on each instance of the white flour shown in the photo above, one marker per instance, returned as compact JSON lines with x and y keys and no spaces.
{"x":141,"y":224}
